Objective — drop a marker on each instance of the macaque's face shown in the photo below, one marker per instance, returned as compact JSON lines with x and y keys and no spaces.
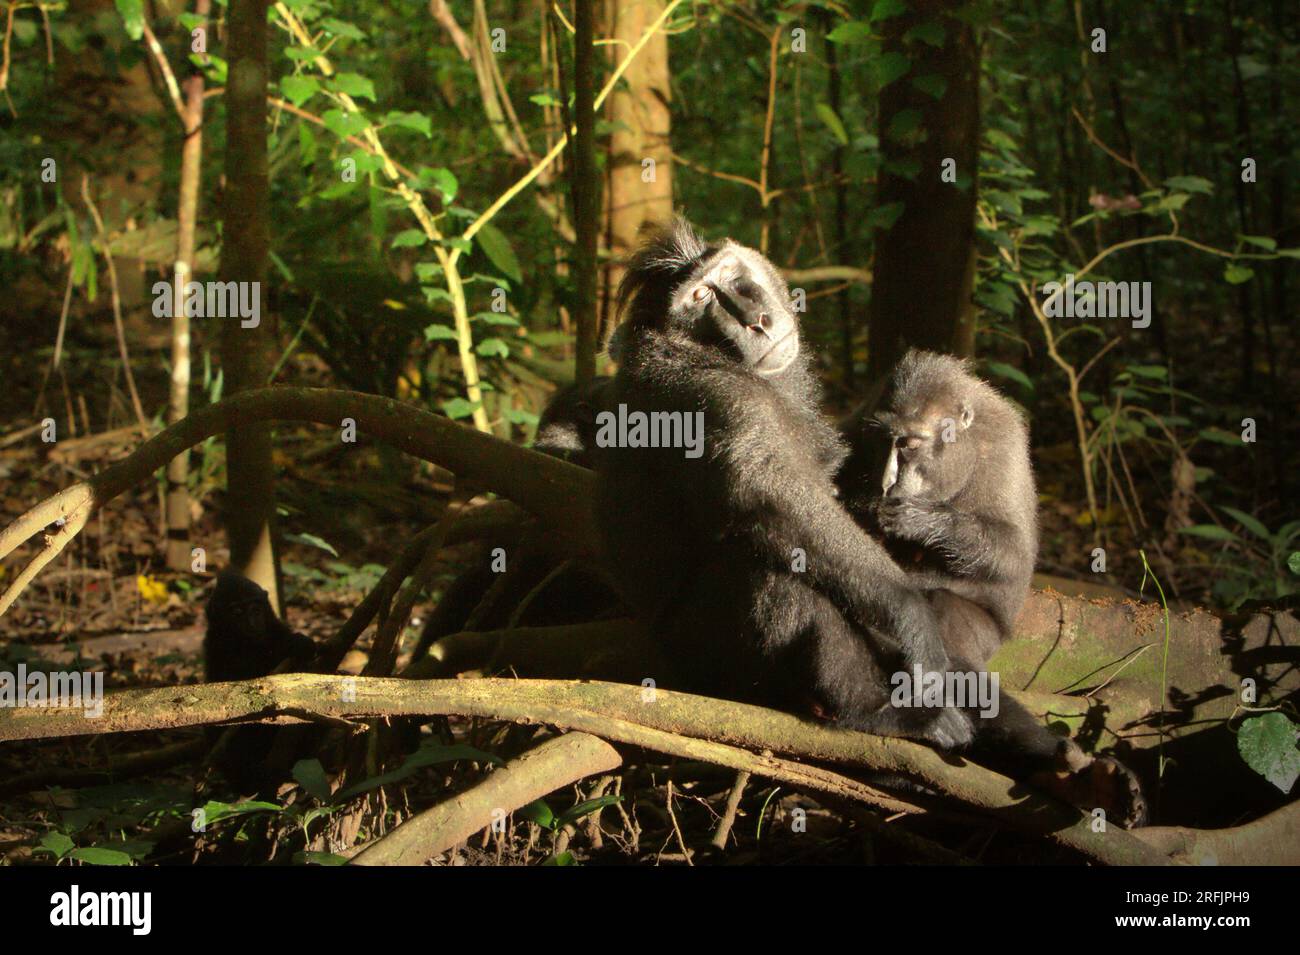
{"x":735,"y":299}
{"x":931,"y":452}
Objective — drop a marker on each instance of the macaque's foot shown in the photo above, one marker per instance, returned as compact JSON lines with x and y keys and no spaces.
{"x":1098,"y":782}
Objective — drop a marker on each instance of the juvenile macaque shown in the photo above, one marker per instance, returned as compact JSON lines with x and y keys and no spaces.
{"x":955,"y":502}
{"x":943,"y":477}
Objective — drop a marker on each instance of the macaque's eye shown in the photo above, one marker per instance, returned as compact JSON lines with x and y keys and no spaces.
{"x":908,"y":445}
{"x":701,"y":293}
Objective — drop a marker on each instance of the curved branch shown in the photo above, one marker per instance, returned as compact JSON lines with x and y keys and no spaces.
{"x":555,"y":491}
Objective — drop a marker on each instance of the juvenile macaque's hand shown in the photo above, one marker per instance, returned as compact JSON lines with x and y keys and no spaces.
{"x":904,"y":518}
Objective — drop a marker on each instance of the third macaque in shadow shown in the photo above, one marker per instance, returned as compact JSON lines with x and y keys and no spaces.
{"x":245,"y":640}
{"x":942,"y":476}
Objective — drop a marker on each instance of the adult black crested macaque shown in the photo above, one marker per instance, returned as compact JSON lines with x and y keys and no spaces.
{"x":757,"y":581}
{"x":244,"y":640}
{"x":943,"y":477}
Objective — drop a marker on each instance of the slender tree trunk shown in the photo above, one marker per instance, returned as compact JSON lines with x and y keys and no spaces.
{"x":925,"y":262}
{"x":178,"y":496}
{"x":841,"y":217}
{"x":247,"y":353}
{"x":636,"y":192}
{"x":586,"y":188}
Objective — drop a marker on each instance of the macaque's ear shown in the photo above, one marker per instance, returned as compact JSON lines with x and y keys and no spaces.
{"x":967,"y":415}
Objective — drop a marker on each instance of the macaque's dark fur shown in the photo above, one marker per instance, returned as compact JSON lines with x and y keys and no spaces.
{"x":244,"y":640}
{"x":704,"y":547}
{"x":567,"y":428}
{"x":964,"y":522}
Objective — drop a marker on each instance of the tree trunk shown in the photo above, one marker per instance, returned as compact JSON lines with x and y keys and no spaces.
{"x":247,"y":353}
{"x":636,"y":192}
{"x":925,"y":262}
{"x":586,"y":189}
{"x":187,"y":207}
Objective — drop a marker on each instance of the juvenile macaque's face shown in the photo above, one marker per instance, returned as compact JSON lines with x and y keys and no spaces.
{"x":735,"y":298}
{"x":931,"y":452}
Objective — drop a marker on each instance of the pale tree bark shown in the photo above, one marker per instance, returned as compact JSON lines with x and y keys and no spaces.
{"x":636,"y":192}
{"x":248,"y":353}
{"x":178,"y":496}
{"x":586,"y":188}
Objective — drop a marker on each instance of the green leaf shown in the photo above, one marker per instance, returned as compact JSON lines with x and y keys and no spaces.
{"x":343,"y":124}
{"x":94,"y":856}
{"x":585,"y":809}
{"x":1008,"y":371}
{"x":827,"y":116}
{"x":1238,"y":274}
{"x":58,"y":843}
{"x":427,"y":272}
{"x":341,"y":28}
{"x":444,"y":180}
{"x":1249,"y":521}
{"x":891,"y":66}
{"x":998,"y":138}
{"x":564,"y":858}
{"x":440,"y":333}
{"x":311,"y":540}
{"x":494,"y":318}
{"x":1189,"y":184}
{"x":931,"y":83}
{"x":497,"y":248}
{"x":409,"y":238}
{"x":1211,"y":532}
{"x":309,"y":857}
{"x":493,"y":348}
{"x":306,"y":144}
{"x":1293,"y":562}
{"x":214,"y":811}
{"x":132,"y":12}
{"x":416,"y":121}
{"x":303,"y":54}
{"x":1219,"y":436}
{"x":457,"y":408}
{"x":354,"y":84}
{"x":1172,"y":202}
{"x":850,"y":31}
{"x":1268,"y":745}
{"x":884,"y":9}
{"x":540,"y":813}
{"x":298,"y":89}
{"x":310,"y":775}
{"x":1155,"y":372}
{"x":1262,"y":241}
{"x":544,"y":99}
